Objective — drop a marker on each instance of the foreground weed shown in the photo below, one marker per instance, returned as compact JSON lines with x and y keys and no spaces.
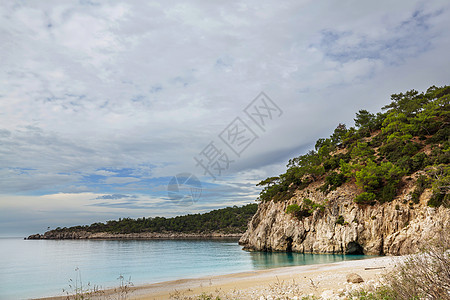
{"x":124,"y":288}
{"x":79,"y":291}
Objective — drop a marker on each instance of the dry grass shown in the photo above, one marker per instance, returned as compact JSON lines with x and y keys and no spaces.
{"x":426,"y":275}
{"x":280,"y":290}
{"x":78,"y":291}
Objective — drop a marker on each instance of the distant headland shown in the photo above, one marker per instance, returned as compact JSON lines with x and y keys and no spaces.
{"x":230,"y":222}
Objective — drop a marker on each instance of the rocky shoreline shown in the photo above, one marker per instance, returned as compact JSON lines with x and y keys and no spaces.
{"x":85,"y":235}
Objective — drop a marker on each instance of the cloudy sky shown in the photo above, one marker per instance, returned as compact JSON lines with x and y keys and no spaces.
{"x":102,"y":103}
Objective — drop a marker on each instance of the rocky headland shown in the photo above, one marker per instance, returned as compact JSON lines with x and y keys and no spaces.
{"x":74,"y":235}
{"x":381,"y":187}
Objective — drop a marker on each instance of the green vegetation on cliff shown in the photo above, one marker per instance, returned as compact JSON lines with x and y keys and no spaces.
{"x":226,"y":220}
{"x":411,"y":134}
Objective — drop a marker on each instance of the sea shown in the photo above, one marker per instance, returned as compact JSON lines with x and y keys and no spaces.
{"x":42,"y":268}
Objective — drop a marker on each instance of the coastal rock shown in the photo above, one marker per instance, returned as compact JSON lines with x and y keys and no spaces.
{"x":354,"y":278}
{"x":394,"y":228}
{"x":36,"y":236}
{"x":82,"y":234}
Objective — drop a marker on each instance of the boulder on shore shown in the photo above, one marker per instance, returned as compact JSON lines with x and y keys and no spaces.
{"x":354,"y":278}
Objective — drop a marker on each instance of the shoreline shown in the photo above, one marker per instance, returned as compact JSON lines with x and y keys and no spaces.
{"x":304,"y":280}
{"x":83,"y":235}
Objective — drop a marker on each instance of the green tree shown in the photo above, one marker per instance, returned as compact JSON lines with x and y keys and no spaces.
{"x":362,"y":152}
{"x":408,"y":103}
{"x":339,"y":133}
{"x":365,"y":120}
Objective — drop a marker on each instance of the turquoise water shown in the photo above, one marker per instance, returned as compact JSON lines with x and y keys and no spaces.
{"x":39,"y":268}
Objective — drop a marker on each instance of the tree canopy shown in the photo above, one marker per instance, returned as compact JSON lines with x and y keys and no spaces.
{"x":226,"y":220}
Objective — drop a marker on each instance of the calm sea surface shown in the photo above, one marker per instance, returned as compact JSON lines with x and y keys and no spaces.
{"x":38,"y":268}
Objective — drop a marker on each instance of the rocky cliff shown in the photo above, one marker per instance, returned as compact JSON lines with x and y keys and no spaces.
{"x":389,"y":178}
{"x":395,"y":228}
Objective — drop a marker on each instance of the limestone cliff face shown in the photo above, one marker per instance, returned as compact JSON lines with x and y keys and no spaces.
{"x":394,"y":228}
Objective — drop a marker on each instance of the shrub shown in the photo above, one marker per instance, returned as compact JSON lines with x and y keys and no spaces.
{"x":312,"y":206}
{"x":396,"y":149}
{"x":419,"y":161}
{"x":422,"y":183}
{"x":307,"y":202}
{"x":388,"y":192}
{"x":440,"y":136}
{"x":321,"y":207}
{"x":365,"y":198}
{"x":306,"y":209}
{"x":332,"y":163}
{"x":440,"y":155}
{"x":297,"y":211}
{"x":410,"y":149}
{"x":392,"y":150}
{"x":340,"y":220}
{"x":438,"y":199}
{"x":292,"y":209}
{"x":333,"y":181}
{"x":440,"y":186}
{"x":380,"y":180}
{"x":413,"y":163}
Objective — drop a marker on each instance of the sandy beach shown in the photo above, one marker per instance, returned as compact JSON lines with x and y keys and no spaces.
{"x":326,"y":280}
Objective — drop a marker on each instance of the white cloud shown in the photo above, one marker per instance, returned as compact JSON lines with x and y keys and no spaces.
{"x":105,"y":173}
{"x":120,"y":180}
{"x":132,"y":91}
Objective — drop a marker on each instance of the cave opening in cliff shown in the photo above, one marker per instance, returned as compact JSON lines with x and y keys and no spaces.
{"x":289,"y":244}
{"x":354,"y":248}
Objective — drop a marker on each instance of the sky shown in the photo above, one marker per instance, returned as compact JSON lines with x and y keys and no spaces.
{"x":113,"y":109}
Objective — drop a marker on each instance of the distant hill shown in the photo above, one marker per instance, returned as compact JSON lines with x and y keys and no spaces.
{"x":230,"y":221}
